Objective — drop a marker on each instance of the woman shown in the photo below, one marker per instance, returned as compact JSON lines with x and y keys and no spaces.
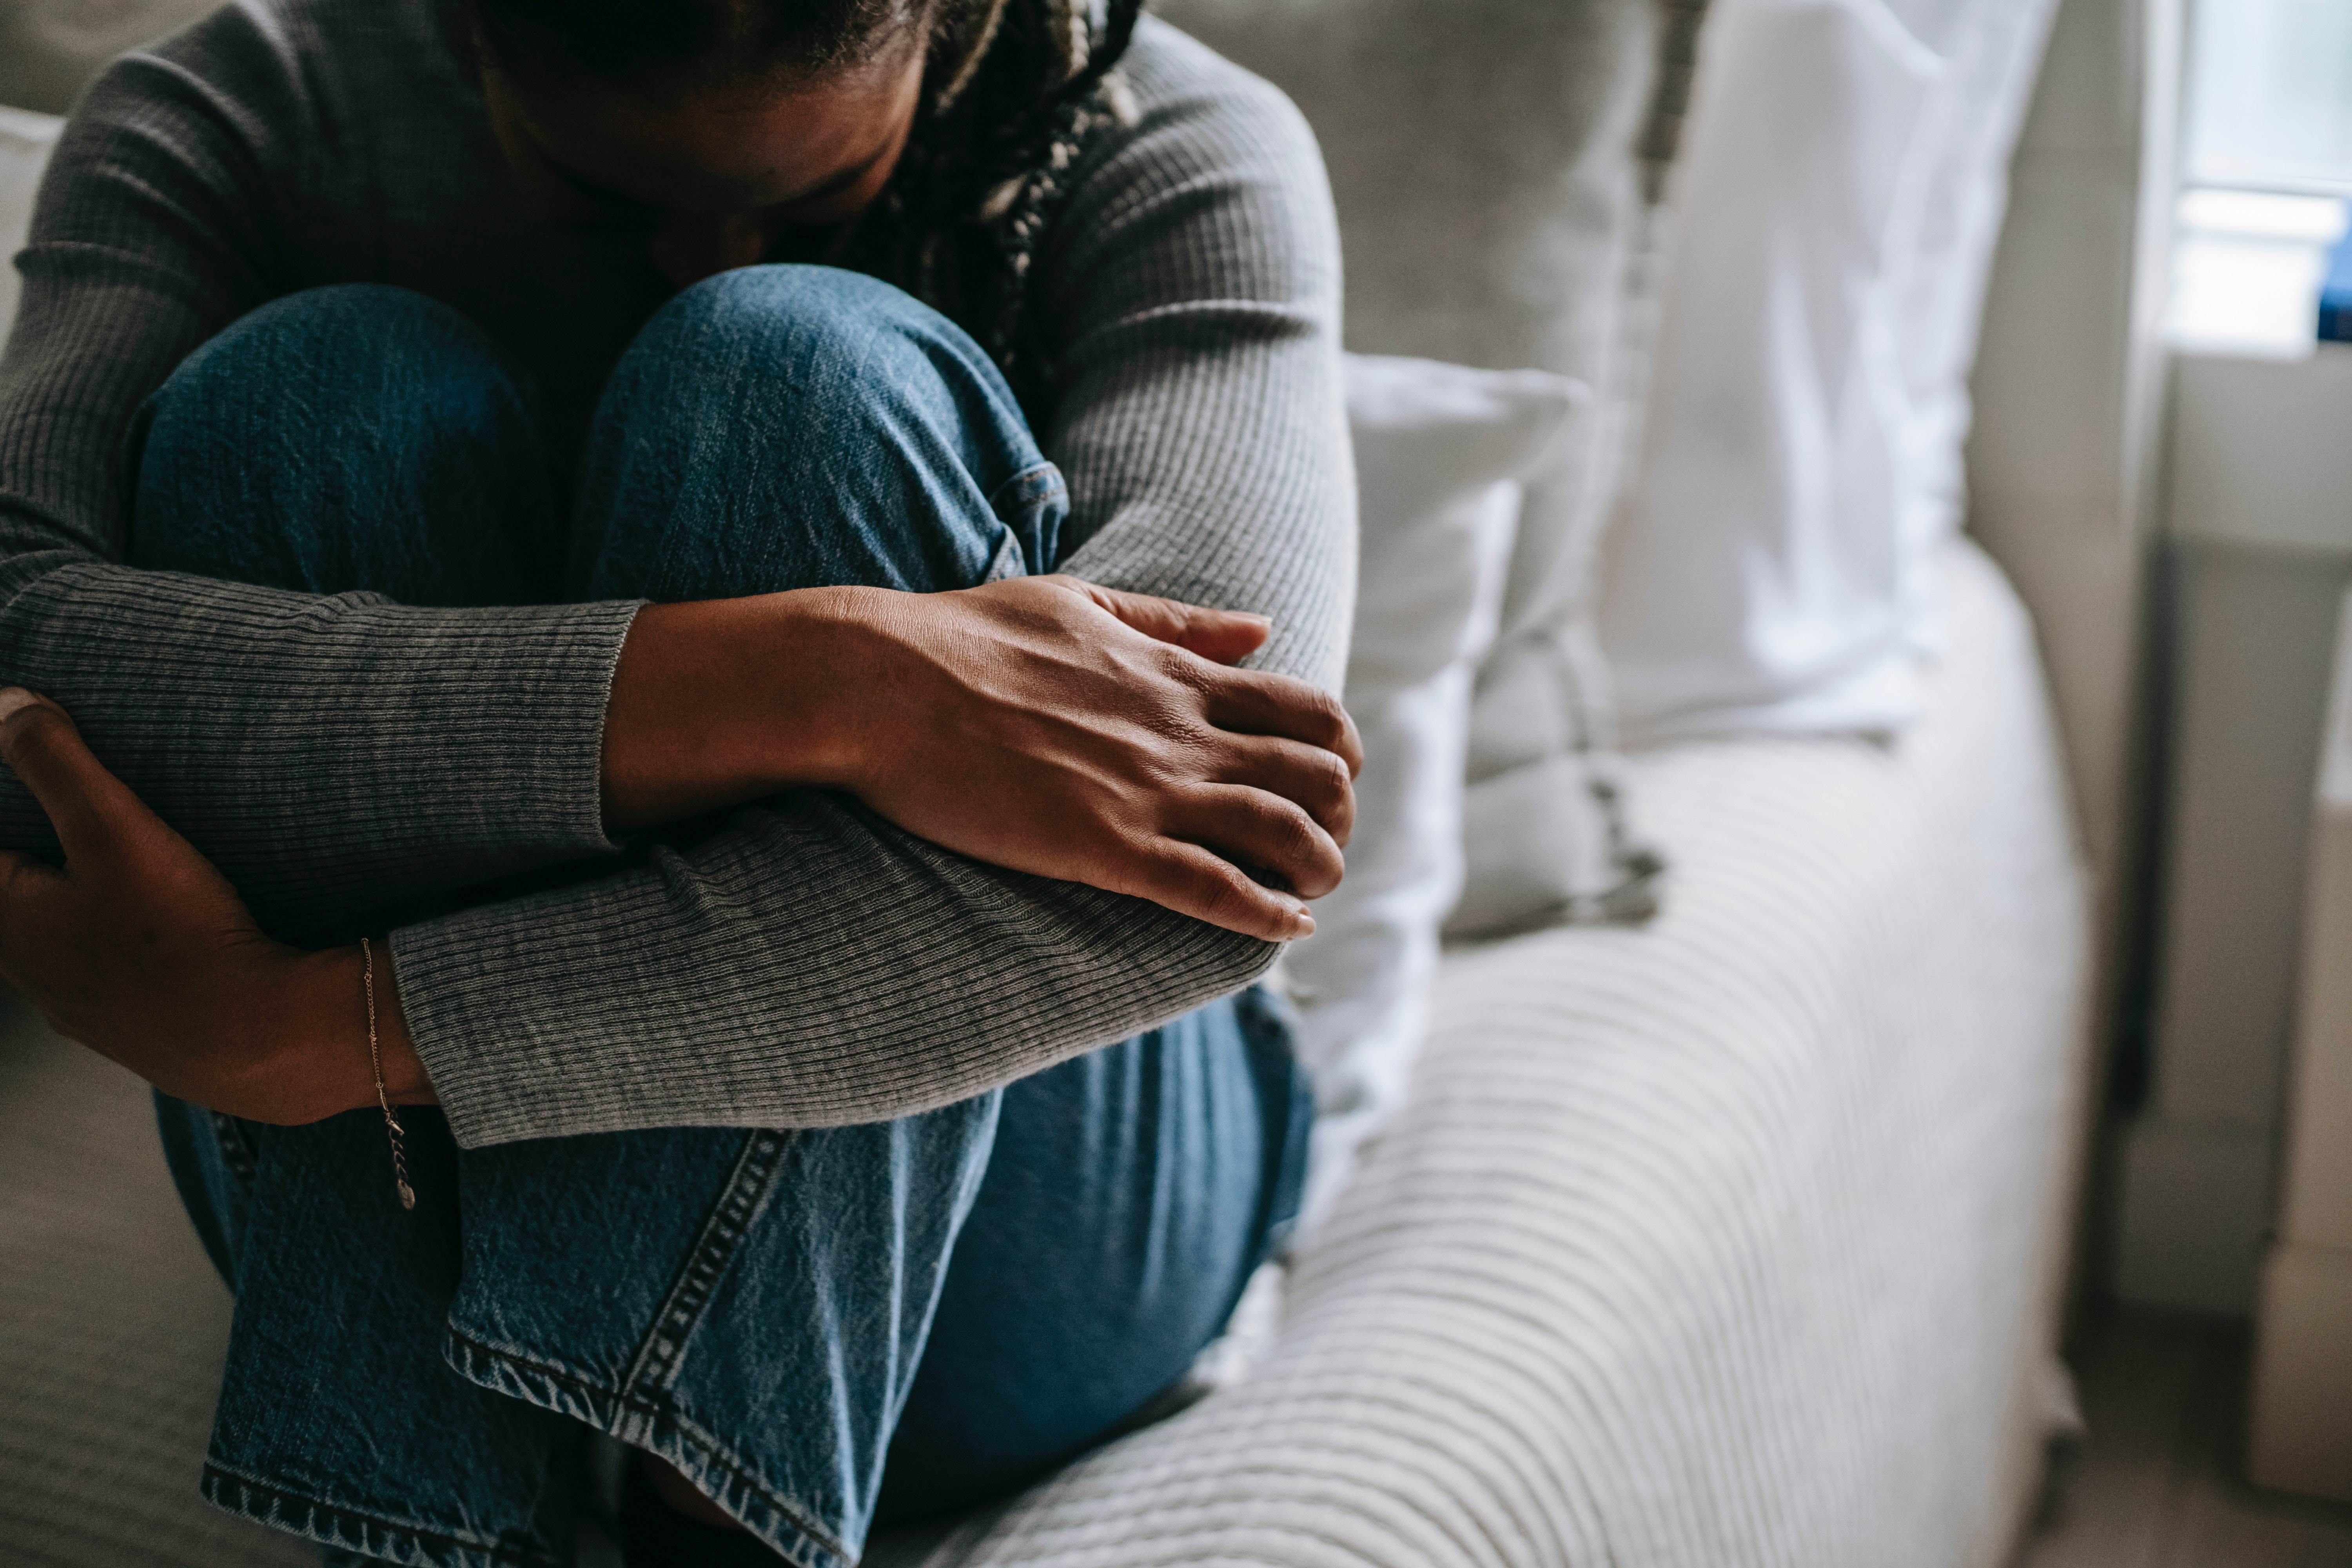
{"x":377,"y":364}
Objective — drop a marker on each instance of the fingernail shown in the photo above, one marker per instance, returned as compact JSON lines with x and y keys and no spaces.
{"x":13,"y":699}
{"x":1302,"y":924}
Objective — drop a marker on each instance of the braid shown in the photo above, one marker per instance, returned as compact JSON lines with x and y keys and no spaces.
{"x":1020,"y":89}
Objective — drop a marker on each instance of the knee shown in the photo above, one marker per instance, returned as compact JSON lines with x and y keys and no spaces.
{"x":354,"y":361}
{"x":809,"y":341}
{"x":335,"y":401}
{"x":347,"y":343}
{"x":815,"y":426}
{"x":347,"y":317}
{"x":824,"y":297}
{"x":806,"y":315}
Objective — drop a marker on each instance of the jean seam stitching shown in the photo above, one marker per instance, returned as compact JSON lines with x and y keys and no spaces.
{"x":1009,"y":500}
{"x":660,"y":1411}
{"x":1008,"y":561}
{"x":428,"y":1537}
{"x":681,"y":1312}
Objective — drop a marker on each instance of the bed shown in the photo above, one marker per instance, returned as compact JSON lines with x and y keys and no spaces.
{"x":1736,"y":1239}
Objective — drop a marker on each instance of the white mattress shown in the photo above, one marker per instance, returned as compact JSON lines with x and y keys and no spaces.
{"x":1730,"y":1241}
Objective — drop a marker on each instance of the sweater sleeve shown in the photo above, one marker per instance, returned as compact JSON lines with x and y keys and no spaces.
{"x":1201,"y":424}
{"x":328,"y":753}
{"x":812,"y":964}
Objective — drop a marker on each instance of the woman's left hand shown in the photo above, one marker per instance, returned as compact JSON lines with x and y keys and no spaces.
{"x":140,"y":949}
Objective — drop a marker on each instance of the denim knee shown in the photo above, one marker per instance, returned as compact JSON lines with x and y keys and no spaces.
{"x":353,"y":437}
{"x":382,"y":320}
{"x":783,"y":426}
{"x":815,"y":323}
{"x":784,"y":298}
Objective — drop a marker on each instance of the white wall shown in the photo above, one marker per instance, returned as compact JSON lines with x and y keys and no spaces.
{"x":2260,"y":508}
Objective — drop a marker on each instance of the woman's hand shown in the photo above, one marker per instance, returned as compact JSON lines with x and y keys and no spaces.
{"x":139,"y":950}
{"x":1043,"y":724}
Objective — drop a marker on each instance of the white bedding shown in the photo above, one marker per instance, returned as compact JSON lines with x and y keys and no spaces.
{"x":1729,"y":1241}
{"x":1734,"y":1240}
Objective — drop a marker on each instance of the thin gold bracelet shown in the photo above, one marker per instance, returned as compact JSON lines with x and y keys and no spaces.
{"x":391,"y":1128}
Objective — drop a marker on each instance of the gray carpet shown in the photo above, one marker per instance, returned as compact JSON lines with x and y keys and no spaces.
{"x":111,"y":1328}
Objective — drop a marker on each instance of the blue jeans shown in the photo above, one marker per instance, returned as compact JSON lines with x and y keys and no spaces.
{"x":821,"y":1329}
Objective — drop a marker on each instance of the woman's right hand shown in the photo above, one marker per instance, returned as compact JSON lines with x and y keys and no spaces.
{"x":1043,"y":724}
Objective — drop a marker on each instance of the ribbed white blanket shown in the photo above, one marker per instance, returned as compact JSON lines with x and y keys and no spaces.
{"x":1730,"y":1241}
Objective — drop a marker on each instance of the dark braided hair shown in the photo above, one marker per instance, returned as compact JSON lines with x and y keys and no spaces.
{"x":1014,"y":93}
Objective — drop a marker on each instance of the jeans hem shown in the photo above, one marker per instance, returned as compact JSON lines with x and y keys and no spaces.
{"x":644,"y":1424}
{"x":382,"y":1539}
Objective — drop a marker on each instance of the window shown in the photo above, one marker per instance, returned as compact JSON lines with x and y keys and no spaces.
{"x":2267,"y":166}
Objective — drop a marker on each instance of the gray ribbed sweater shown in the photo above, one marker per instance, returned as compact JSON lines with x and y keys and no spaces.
{"x":810,"y":964}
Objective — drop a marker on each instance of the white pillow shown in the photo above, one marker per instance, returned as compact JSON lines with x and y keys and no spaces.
{"x":25,"y":142}
{"x":1834,"y":218}
{"x":1437,"y":450}
{"x":1992,"y":51}
{"x":1754,"y":581}
{"x":1493,"y":167}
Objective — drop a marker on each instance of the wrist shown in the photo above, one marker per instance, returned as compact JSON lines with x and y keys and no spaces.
{"x":316,"y":1062}
{"x":722,"y":701}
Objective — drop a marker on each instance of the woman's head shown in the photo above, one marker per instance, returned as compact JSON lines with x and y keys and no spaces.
{"x":703,"y":129}
{"x":699,"y":127}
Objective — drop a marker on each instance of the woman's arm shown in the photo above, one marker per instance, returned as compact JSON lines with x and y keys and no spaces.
{"x":1202,"y":426}
{"x":806,"y":964}
{"x":1046,"y":724}
{"x":139,"y":949}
